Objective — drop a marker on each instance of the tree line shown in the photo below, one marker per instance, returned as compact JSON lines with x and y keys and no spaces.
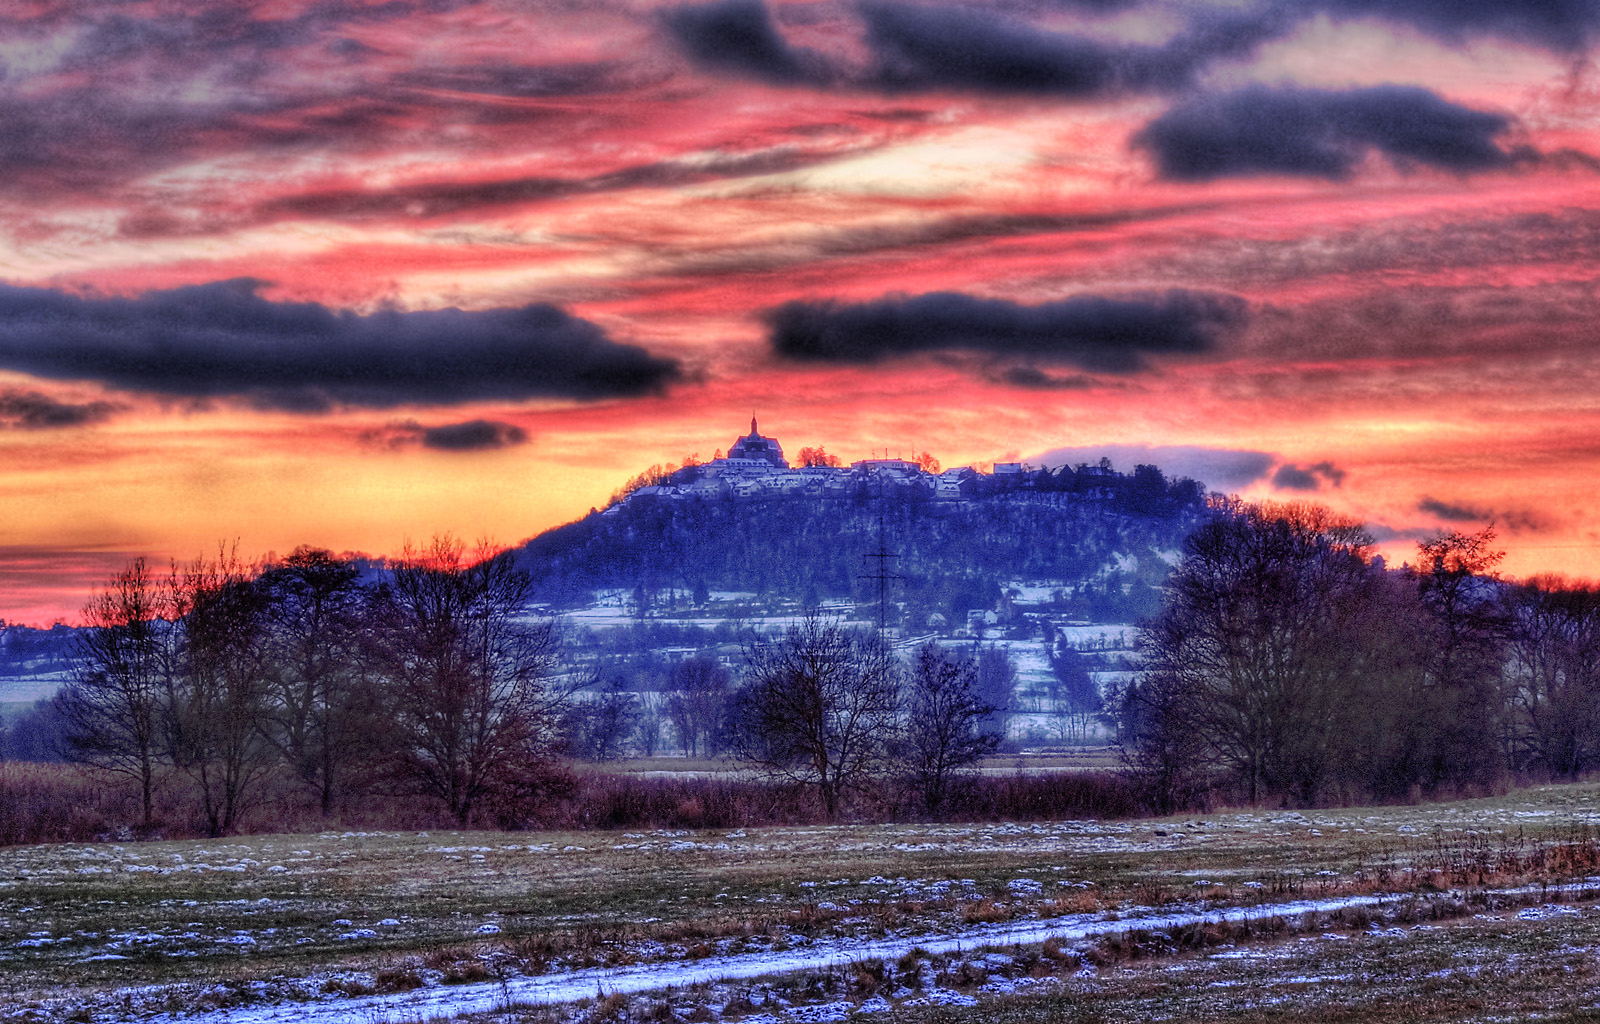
{"x":430,"y":679}
{"x":1289,"y":663}
{"x":433,"y":679}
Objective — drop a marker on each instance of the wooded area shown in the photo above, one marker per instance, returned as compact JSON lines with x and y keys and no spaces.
{"x":434,"y":680}
{"x":1289,"y":664}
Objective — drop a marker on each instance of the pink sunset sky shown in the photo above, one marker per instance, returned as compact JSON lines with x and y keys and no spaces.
{"x":349,"y":274}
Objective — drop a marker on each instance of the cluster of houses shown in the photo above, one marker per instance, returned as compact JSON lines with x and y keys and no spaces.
{"x":755,"y":467}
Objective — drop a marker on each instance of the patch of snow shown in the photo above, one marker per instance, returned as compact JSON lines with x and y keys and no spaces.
{"x":1546,"y":911}
{"x":942,"y":997}
{"x":453,"y":1001}
{"x":821,"y":1013}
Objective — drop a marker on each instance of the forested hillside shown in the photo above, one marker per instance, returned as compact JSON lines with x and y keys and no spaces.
{"x":1108,"y":545}
{"x":24,"y":649}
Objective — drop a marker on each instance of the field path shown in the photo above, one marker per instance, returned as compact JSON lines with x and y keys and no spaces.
{"x":448,"y":1001}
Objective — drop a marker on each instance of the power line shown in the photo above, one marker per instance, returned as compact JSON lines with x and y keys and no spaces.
{"x":882,"y":557}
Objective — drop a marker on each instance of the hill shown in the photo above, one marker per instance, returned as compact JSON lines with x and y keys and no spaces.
{"x":1104,"y":540}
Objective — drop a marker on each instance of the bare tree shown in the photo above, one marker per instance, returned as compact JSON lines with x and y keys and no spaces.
{"x":942,"y":732}
{"x":996,"y":684}
{"x":699,"y":698}
{"x":115,"y":705}
{"x":220,"y":696}
{"x":469,"y":673}
{"x":1160,"y":718}
{"x":1074,"y":697}
{"x":1455,"y":734}
{"x":324,"y":714}
{"x":598,"y":727}
{"x":1555,"y":677}
{"x":1254,"y":654}
{"x":652,"y":719}
{"x":40,"y":733}
{"x":818,"y":707}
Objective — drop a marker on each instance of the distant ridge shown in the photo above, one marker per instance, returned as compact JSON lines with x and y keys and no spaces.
{"x":1107,"y":539}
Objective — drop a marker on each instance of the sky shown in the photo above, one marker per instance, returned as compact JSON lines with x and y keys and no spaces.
{"x":351,"y":274}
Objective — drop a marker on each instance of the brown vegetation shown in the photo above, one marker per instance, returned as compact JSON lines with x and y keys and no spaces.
{"x":60,"y":803}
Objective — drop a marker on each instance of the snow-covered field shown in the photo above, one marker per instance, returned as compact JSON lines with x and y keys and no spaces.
{"x":31,"y":687}
{"x":402,"y":926}
{"x":982,"y":943}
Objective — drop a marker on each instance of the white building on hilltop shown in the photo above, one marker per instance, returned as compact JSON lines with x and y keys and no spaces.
{"x":750,"y":456}
{"x":755,"y":467}
{"x":887,"y":465}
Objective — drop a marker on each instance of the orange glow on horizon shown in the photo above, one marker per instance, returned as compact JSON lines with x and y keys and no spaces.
{"x":1420,"y":313}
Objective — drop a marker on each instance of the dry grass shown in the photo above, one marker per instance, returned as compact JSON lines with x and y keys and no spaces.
{"x":1492,"y":966}
{"x":556,"y":900}
{"x":62,"y":803}
{"x":50,"y":803}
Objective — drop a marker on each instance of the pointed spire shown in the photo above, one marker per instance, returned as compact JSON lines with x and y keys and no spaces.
{"x":753,"y":425}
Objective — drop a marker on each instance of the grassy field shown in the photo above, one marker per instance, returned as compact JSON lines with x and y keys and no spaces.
{"x":120,"y":931}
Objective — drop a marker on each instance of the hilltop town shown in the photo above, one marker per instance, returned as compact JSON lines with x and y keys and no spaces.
{"x":755,"y":466}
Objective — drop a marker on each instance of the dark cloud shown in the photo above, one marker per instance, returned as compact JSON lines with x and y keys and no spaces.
{"x":921,"y":48}
{"x":1226,"y":469}
{"x":1321,"y":133}
{"x":1514,"y":521}
{"x":1291,"y":477}
{"x":223,"y":340}
{"x":139,"y":91}
{"x":914,"y":47}
{"x":468,"y":436}
{"x":1453,"y":513}
{"x":1035,"y":379}
{"x":227,"y":36}
{"x":739,"y":37}
{"x":943,"y":48}
{"x":929,"y":48}
{"x":33,"y":410}
{"x":1095,"y":332}
{"x":1562,"y":26}
{"x":473,"y":436}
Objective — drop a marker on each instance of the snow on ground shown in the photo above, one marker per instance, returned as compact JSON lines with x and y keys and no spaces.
{"x":29,"y":688}
{"x":442,"y":1001}
{"x":1030,"y":593}
{"x":1109,"y":637}
{"x":1031,"y":659}
{"x":613,"y":617}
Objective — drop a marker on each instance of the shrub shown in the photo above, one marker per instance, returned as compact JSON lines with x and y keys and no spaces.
{"x":42,"y":803}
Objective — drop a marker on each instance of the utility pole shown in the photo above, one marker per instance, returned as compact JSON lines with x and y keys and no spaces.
{"x":882,"y":557}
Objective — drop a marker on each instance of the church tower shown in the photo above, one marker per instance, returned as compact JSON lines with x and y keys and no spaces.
{"x":754,"y":446}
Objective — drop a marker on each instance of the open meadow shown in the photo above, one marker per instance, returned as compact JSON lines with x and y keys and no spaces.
{"x":1474,"y":909}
